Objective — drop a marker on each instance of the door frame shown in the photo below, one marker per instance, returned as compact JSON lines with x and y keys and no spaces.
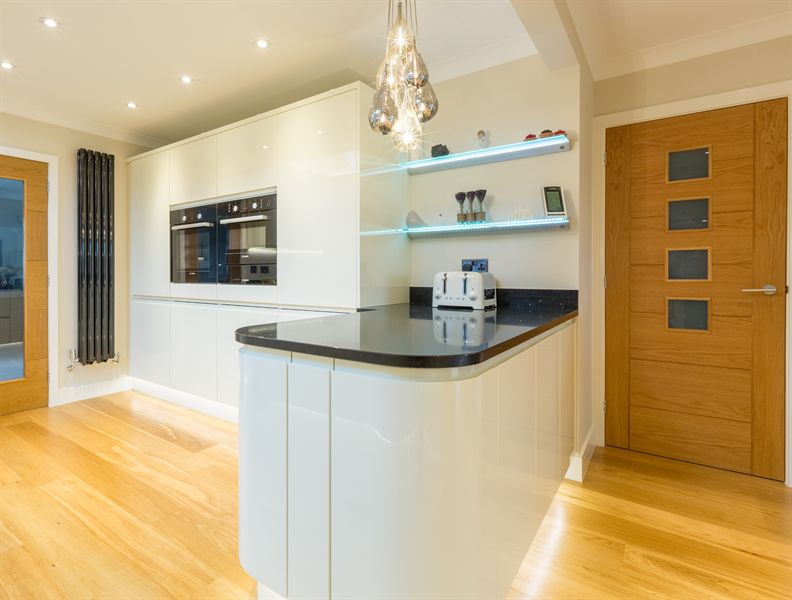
{"x":52,"y":261}
{"x":597,"y":293}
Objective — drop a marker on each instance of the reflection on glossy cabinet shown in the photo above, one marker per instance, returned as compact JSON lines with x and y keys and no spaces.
{"x":149,"y":226}
{"x":149,"y":341}
{"x":246,"y":157}
{"x":193,"y":349}
{"x":193,"y":171}
{"x":318,"y":203}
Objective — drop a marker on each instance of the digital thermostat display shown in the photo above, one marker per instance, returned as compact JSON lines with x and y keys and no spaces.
{"x":553,"y":201}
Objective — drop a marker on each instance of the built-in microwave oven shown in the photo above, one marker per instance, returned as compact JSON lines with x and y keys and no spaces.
{"x":194,"y":245}
{"x":247,"y":241}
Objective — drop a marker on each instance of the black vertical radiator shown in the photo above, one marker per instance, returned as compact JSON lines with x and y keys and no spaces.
{"x":96,"y":269}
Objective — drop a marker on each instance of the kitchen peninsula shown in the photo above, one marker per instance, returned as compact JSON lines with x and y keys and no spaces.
{"x":402,"y":451}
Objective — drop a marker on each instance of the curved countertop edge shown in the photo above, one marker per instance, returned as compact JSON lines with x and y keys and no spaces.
{"x":401,"y":360}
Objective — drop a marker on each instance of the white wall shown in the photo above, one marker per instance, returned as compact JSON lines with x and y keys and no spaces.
{"x":509,"y":101}
{"x":25,"y":134}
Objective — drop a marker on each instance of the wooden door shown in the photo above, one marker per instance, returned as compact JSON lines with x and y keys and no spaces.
{"x":695,"y":225}
{"x":23,"y":284}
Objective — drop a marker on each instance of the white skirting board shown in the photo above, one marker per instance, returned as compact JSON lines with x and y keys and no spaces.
{"x":209,"y":407}
{"x":579,"y":461}
{"x":91,"y":390}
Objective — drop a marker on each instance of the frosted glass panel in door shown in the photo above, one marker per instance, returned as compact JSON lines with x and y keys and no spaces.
{"x":12,"y":253}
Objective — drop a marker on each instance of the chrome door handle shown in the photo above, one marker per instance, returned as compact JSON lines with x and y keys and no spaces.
{"x":766,"y":289}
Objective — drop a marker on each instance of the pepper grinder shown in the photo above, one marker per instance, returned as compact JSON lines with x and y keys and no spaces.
{"x":460,"y":197}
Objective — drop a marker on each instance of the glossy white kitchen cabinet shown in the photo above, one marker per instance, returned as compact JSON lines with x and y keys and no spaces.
{"x":262,"y":472}
{"x":229,"y":319}
{"x":193,"y":349}
{"x":149,"y":226}
{"x":328,"y":170}
{"x":193,"y":170}
{"x":149,"y":341}
{"x":400,"y":483}
{"x":318,"y":203}
{"x":246,"y":157}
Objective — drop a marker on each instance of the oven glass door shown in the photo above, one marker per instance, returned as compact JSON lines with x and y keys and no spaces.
{"x":250,"y":249}
{"x":193,"y":258}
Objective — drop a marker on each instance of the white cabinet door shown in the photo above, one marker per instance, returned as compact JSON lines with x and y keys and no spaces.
{"x":246,"y":157}
{"x":193,"y":349}
{"x":149,"y":343}
{"x":193,"y":172}
{"x":149,"y":226}
{"x":318,"y":203}
{"x":229,"y":319}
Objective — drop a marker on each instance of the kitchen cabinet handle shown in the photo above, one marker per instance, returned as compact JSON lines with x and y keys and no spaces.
{"x":766,"y":289}
{"x":244,"y":219}
{"x":191,"y":226}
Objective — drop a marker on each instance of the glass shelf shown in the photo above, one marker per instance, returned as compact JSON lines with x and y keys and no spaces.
{"x":538,"y":147}
{"x":474,"y":228}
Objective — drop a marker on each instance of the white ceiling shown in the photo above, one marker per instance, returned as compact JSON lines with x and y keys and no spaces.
{"x":622,"y":36}
{"x":110,"y":52}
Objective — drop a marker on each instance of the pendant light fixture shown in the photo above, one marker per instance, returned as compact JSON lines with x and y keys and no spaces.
{"x":404,"y":99}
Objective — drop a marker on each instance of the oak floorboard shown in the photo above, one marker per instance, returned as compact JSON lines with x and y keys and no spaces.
{"x":124,"y":496}
{"x":642,"y":526}
{"x":112,"y":514}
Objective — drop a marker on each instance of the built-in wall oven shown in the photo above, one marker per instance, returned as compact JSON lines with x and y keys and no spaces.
{"x":247,"y":241}
{"x":194,"y":245}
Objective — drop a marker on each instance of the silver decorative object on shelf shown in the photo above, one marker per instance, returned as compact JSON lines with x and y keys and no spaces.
{"x":405,"y":98}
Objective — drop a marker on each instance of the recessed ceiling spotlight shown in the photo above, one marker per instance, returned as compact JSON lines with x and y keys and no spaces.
{"x":49,"y":22}
{"x":6,"y":65}
{"x":186,"y":79}
{"x":131,"y":105}
{"x":262,"y":43}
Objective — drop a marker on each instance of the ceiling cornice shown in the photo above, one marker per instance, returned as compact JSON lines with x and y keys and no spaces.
{"x":745,"y":34}
{"x":89,"y":127}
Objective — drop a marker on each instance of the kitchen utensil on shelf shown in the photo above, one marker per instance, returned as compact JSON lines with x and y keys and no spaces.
{"x":471,"y":215}
{"x":460,"y":197}
{"x":481,"y":214}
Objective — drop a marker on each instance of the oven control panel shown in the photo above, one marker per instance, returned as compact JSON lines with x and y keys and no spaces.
{"x":247,"y":206}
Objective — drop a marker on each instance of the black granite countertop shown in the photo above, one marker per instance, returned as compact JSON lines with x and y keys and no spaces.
{"x":418,"y":336}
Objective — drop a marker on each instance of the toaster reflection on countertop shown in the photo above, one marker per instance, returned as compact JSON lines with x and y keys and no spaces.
{"x":463,"y":327}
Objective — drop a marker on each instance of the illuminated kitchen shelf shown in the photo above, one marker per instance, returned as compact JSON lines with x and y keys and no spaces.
{"x":475,"y":228}
{"x":538,"y":147}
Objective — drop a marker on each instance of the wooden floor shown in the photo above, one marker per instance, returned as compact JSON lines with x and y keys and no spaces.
{"x":128,"y":497}
{"x":119,"y":497}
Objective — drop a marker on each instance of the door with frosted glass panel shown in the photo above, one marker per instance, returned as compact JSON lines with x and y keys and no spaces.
{"x":696,"y":287}
{"x":23,"y":284}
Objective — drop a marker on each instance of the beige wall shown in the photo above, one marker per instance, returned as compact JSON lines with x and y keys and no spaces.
{"x":509,"y":101}
{"x":748,"y":66}
{"x":35,"y":136}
